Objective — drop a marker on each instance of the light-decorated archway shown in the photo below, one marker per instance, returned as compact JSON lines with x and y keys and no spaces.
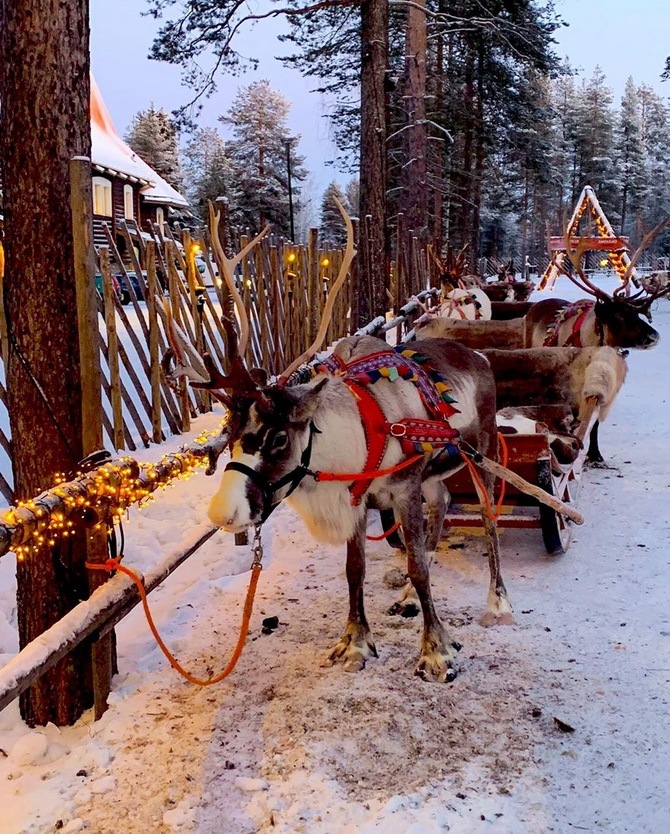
{"x":614,"y":246}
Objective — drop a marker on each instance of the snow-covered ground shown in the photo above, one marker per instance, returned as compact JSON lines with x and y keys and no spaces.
{"x":286,"y":746}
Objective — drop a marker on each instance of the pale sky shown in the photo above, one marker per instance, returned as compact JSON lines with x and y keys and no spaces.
{"x":624,"y":37}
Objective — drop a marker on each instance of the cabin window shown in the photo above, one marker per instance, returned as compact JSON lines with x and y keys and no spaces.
{"x":102,"y":196}
{"x":160,"y":219}
{"x":128,"y":202}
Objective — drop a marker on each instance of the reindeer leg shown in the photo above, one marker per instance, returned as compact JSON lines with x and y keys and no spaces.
{"x":594,"y":455}
{"x":498,"y":609}
{"x":438,"y":650}
{"x":356,"y":645}
{"x":436,"y":496}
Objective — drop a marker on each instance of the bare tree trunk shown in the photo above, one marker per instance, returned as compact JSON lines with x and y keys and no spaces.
{"x":479,"y":154}
{"x":439,"y":156}
{"x":373,"y":251}
{"x":414,"y":203}
{"x":45,"y":122}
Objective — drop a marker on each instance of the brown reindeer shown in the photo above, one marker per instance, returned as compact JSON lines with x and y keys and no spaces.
{"x":345,"y":443}
{"x":615,"y":320}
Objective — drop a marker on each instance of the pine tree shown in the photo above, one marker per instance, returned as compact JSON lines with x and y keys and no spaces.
{"x":209,"y":173}
{"x":332,"y":228}
{"x":655,"y":127}
{"x":594,"y":140}
{"x":153,"y":136}
{"x":630,"y":157}
{"x":352,"y":191}
{"x":258,"y":149}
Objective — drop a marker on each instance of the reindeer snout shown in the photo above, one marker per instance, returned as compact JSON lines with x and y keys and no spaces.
{"x":650,"y":340}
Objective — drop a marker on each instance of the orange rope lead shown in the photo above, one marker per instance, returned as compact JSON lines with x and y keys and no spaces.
{"x":385,"y":535}
{"x":493,"y":515}
{"x":113,"y":564}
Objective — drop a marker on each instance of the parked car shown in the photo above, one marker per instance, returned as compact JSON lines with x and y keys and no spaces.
{"x":116,"y":286}
{"x":136,"y":285}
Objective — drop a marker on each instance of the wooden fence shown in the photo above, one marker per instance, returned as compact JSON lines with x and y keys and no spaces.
{"x":283,"y":287}
{"x":128,"y":482}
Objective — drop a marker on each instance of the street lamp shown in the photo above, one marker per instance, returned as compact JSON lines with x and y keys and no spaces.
{"x":289,"y":141}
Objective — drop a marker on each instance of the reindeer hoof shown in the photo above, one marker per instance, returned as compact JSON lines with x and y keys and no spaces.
{"x":494,"y":618}
{"x":435,"y":668}
{"x":354,"y":649}
{"x":404,"y":609}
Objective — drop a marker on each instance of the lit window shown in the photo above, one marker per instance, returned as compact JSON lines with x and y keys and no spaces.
{"x":128,"y":202}
{"x":160,"y":219}
{"x":102,"y":196}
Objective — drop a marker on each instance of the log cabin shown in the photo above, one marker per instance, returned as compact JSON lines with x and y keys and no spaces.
{"x":125,"y":187}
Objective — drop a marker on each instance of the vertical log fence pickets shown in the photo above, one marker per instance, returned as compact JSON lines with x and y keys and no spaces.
{"x":143,"y":277}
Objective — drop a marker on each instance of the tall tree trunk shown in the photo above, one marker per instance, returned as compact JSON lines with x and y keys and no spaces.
{"x":45,"y":90}
{"x":479,"y":154}
{"x":373,"y":250}
{"x":439,"y":157}
{"x":414,"y":178}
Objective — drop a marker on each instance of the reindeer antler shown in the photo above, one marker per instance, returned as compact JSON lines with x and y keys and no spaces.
{"x":576,"y":256}
{"x":349,"y":255}
{"x":227,"y":267}
{"x":630,"y":269}
{"x":202,"y":370}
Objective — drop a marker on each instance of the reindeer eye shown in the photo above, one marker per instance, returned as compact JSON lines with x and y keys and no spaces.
{"x":280,"y":441}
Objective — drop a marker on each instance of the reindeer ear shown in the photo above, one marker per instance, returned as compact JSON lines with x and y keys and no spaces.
{"x":308,"y":402}
{"x":259,"y":376}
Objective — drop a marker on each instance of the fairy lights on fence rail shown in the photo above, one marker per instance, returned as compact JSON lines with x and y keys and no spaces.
{"x":100,"y":496}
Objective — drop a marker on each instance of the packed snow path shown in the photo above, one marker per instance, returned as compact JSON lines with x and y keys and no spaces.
{"x":285,"y":746}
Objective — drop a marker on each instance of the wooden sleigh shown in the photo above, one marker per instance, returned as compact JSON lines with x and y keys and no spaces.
{"x":542,"y":385}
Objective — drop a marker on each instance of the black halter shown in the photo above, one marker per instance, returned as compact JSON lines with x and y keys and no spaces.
{"x":268,"y":490}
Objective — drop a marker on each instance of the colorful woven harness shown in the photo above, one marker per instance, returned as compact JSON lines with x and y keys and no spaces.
{"x":579,"y":311}
{"x":458,"y":303}
{"x":416,"y":436}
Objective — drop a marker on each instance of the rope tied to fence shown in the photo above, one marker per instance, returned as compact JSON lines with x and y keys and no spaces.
{"x":112,"y":565}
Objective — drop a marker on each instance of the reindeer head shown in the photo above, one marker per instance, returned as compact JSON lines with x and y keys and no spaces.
{"x":269,"y":427}
{"x":451,"y":268}
{"x":271,"y":440}
{"x":623,"y":324}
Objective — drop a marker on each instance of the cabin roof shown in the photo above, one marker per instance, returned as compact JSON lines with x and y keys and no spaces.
{"x":111,"y":155}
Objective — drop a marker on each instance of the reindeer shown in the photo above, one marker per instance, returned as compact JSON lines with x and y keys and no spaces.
{"x":315,"y":446}
{"x":506,"y":287}
{"x":614,"y":320}
{"x":462,"y":295}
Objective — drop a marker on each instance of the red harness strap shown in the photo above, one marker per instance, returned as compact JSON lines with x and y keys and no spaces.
{"x":579,"y":311}
{"x":376,"y":435}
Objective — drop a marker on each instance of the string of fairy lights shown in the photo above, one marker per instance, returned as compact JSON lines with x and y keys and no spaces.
{"x":97,"y":498}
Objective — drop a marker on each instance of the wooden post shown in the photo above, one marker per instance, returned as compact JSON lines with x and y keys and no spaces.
{"x":112,"y":349}
{"x":173,"y":289}
{"x":313,"y":288}
{"x":102,"y":651}
{"x":154,"y":359}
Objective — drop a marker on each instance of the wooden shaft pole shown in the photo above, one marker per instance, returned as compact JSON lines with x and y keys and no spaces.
{"x":525,"y":486}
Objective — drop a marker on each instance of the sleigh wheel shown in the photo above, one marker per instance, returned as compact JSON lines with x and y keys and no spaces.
{"x":388,"y":523}
{"x":556,"y":528}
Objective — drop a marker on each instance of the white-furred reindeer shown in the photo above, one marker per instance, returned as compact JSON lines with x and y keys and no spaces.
{"x":462,"y":296}
{"x":345,"y":443}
